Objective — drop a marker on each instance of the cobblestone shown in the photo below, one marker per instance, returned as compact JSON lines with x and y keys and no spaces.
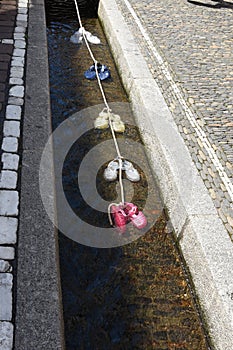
{"x":13,"y":112}
{"x":6,"y":335}
{"x":19,"y":52}
{"x":20,"y":44}
{"x":10,"y":144}
{"x":7,"y":253}
{"x":8,"y":179}
{"x":16,"y":72}
{"x":11,"y":128}
{"x":16,"y":81}
{"x":10,"y":161}
{"x":16,"y":101}
{"x":9,"y":201}
{"x":8,"y":229}
{"x":5,"y":266}
{"x":17,"y":91}
{"x":6,"y":283}
{"x":17,"y":62}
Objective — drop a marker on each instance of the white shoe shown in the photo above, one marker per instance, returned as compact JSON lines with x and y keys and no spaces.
{"x":115,"y":117}
{"x":92,"y":38}
{"x":77,"y":37}
{"x":101,"y":123}
{"x":131,"y":173}
{"x":104,"y":115}
{"x":118,"y":126}
{"x":110,"y":173}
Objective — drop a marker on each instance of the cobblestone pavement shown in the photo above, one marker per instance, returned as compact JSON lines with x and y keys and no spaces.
{"x":13,"y":25}
{"x":188,"y":47}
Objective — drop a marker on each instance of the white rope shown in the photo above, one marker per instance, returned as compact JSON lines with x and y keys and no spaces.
{"x":107,"y":107}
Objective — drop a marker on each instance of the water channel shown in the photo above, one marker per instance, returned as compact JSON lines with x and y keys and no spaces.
{"x":137,"y":296}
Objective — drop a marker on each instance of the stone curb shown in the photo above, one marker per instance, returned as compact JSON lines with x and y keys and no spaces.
{"x":38,"y":322}
{"x":203,"y":239}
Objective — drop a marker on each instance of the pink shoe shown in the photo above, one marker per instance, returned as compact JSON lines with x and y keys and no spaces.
{"x":119,"y":218}
{"x":137,"y":217}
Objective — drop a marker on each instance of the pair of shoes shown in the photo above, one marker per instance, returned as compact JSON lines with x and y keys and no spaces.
{"x":102,"y":122}
{"x":103,"y":72}
{"x":123,"y":214}
{"x":77,"y":37}
{"x":110,"y":173}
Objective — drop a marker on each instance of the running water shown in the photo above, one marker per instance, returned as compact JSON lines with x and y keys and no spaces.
{"x":133,"y":297}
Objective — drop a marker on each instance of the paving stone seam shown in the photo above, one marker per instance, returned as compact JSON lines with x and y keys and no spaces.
{"x":184,"y":115}
{"x":9,"y":176}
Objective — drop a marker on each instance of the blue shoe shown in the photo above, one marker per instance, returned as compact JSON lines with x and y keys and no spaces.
{"x":90,"y":73}
{"x":104,"y":73}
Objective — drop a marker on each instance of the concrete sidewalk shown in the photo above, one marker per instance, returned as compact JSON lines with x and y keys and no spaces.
{"x":175,"y":60}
